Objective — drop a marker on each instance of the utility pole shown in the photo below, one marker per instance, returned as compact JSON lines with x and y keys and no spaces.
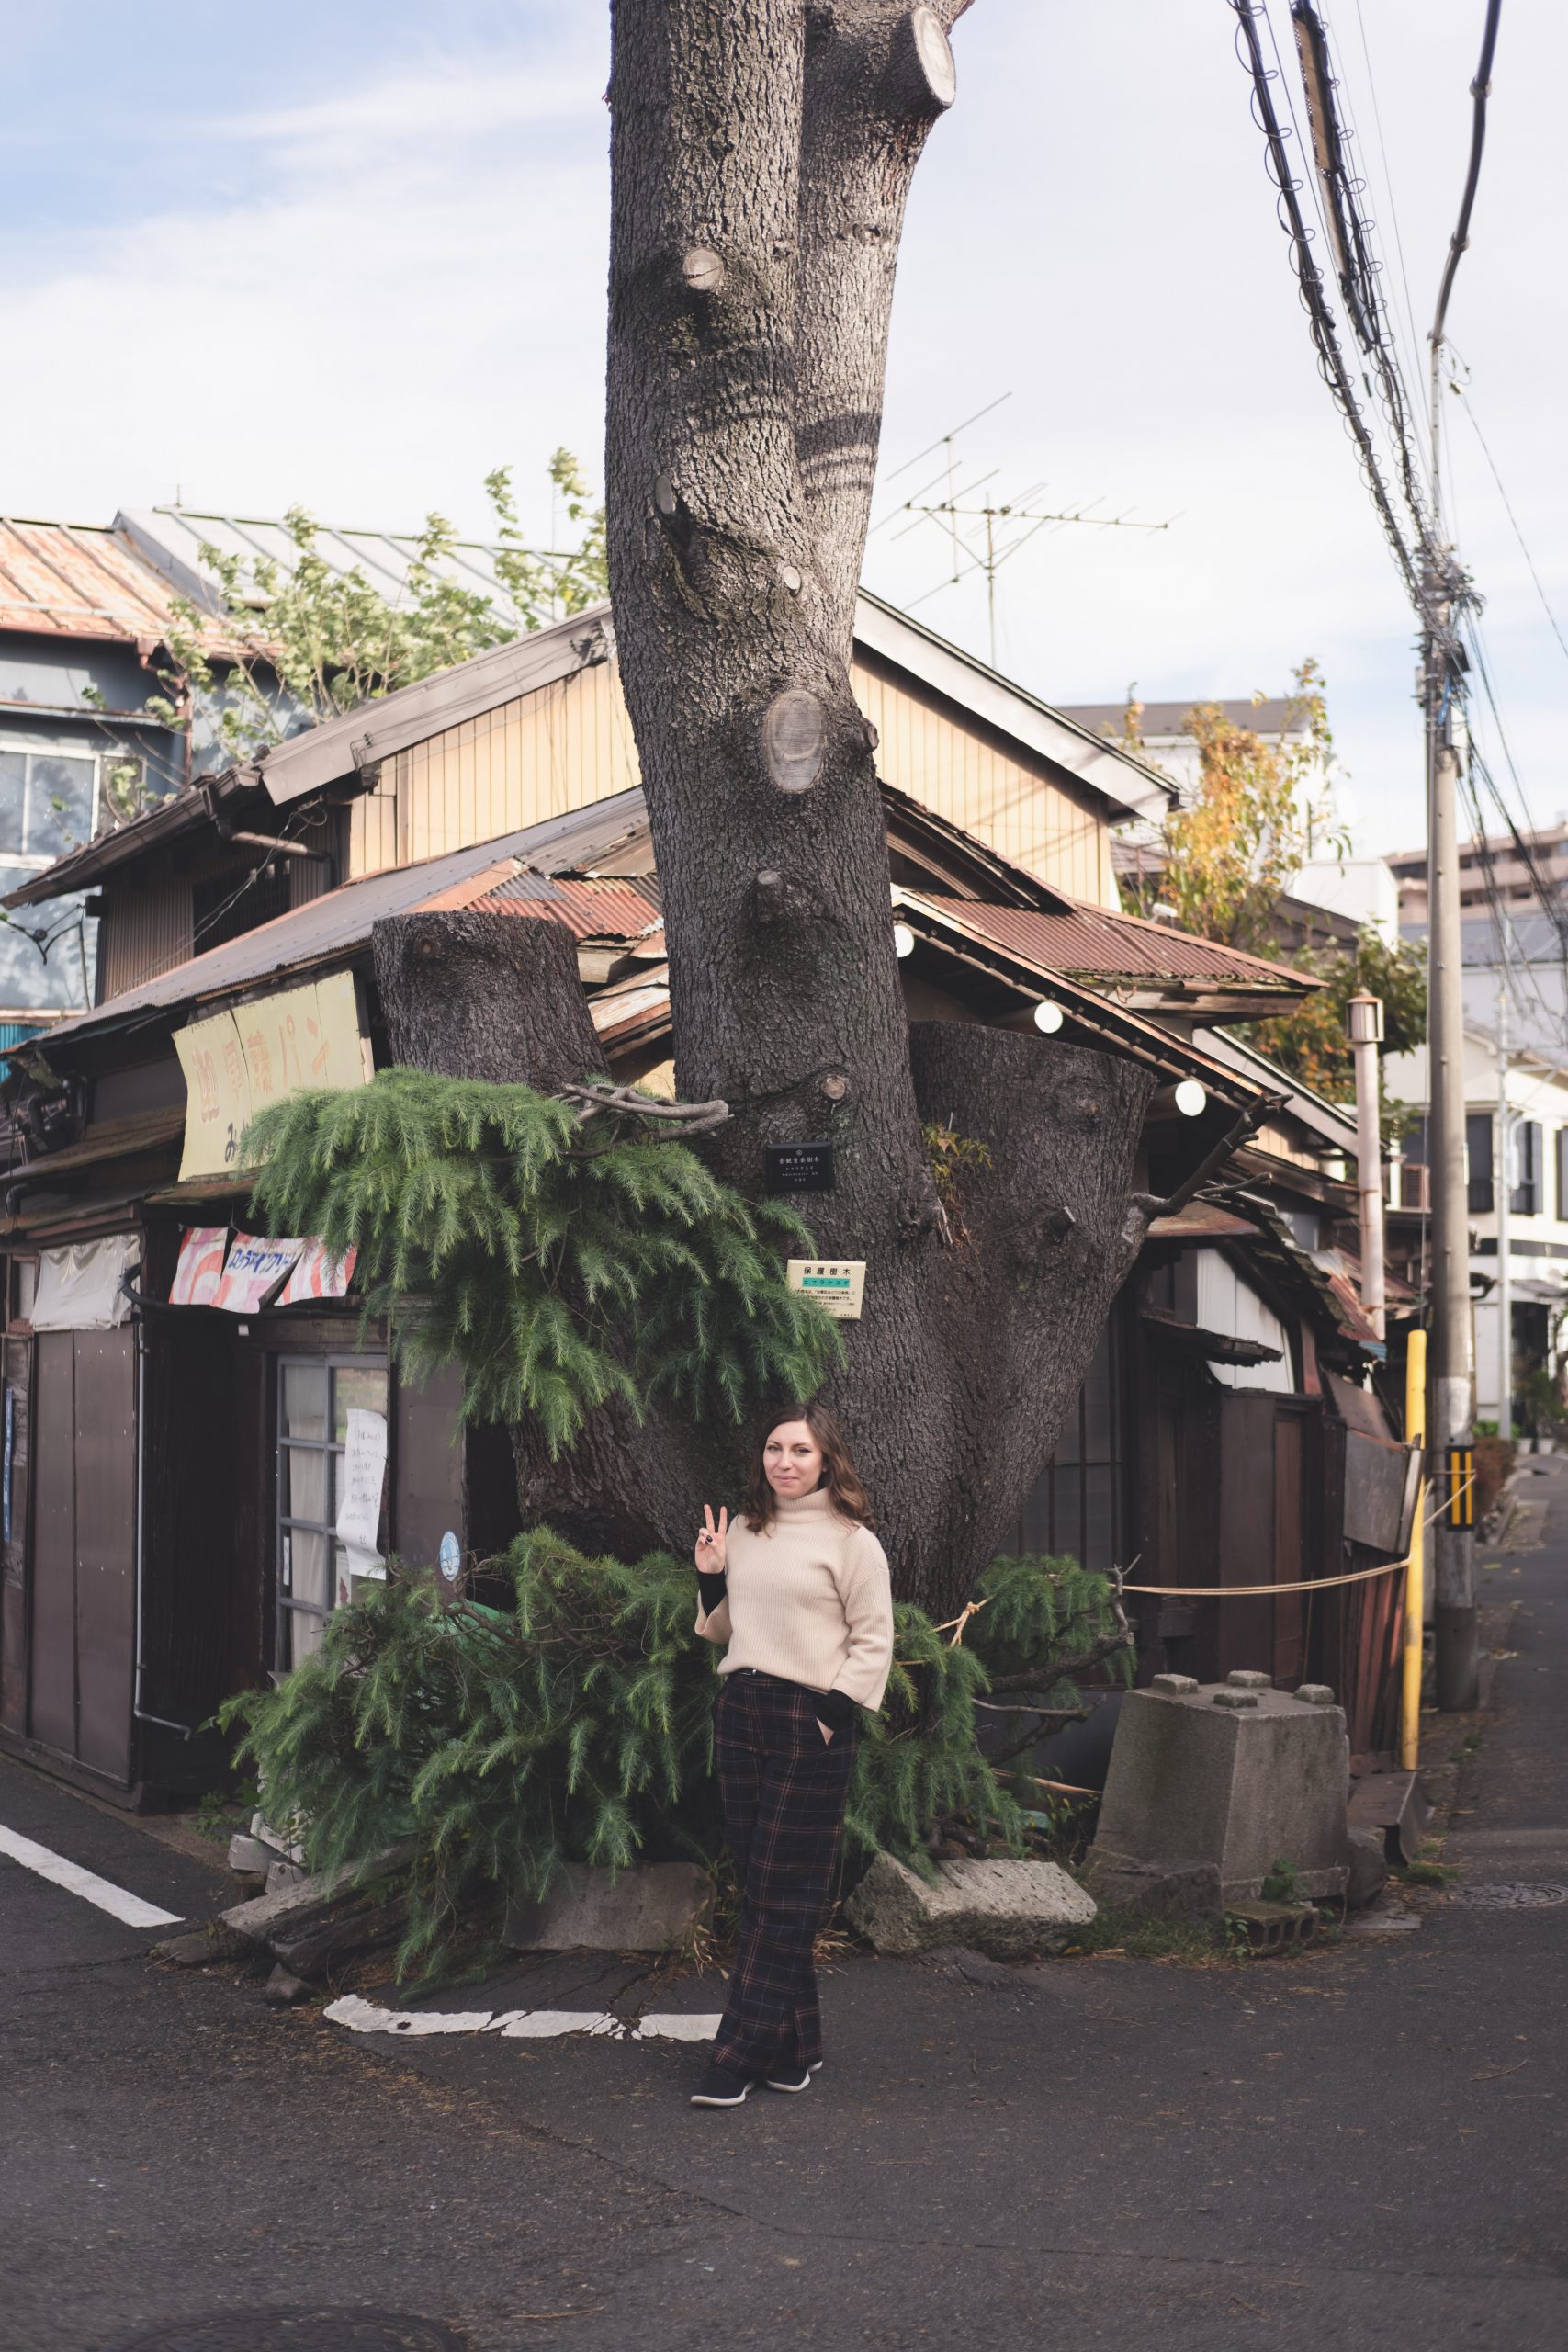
{"x":1364,"y":1016}
{"x":1502,"y":1194}
{"x":1448,"y":1421}
{"x":1441,"y":593}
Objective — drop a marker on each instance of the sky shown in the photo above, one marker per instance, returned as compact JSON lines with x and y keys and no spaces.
{"x":353,"y":257}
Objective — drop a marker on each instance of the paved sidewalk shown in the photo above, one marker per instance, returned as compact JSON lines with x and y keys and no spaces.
{"x":1366,"y":2147}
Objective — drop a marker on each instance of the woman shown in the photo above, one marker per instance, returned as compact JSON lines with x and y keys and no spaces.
{"x":797,"y":1591}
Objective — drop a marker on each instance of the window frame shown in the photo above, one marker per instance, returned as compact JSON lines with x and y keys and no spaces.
{"x":52,"y":748}
{"x":285,"y":1523}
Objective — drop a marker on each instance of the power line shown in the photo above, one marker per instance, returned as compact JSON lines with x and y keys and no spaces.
{"x":1360,"y":268}
{"x":1463,"y":392}
{"x":1409,"y":321}
{"x":1331,"y":360}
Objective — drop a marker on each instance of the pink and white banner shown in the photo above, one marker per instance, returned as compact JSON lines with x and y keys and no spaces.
{"x":200,"y":1267}
{"x":317,"y":1275}
{"x":255,"y":1269}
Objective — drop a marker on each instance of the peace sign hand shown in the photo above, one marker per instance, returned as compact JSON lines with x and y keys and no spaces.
{"x":712,"y":1541}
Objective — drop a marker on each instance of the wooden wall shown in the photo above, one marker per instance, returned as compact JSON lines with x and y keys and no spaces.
{"x":570,"y":744}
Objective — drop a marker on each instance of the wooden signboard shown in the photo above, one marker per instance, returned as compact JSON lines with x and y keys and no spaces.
{"x":236,"y":1063}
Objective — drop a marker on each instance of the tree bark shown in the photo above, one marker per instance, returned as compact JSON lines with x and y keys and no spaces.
{"x":497,"y":997}
{"x":484,"y":996}
{"x":761,"y":160}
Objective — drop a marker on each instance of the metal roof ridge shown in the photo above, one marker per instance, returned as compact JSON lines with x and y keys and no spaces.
{"x":1054,"y":711}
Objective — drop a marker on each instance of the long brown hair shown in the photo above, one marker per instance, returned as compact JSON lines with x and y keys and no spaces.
{"x":840,"y":1476}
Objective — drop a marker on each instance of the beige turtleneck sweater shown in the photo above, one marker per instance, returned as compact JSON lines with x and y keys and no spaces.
{"x":808,"y":1599}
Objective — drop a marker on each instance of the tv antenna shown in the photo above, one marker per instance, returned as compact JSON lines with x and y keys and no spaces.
{"x":986,"y":536}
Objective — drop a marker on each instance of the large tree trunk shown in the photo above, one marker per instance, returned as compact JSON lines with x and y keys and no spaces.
{"x":761,"y":160}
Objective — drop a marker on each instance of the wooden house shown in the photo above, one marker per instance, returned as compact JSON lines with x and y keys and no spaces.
{"x":173,"y":1463}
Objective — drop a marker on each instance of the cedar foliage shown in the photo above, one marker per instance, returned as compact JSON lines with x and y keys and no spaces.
{"x":560,"y":1262}
{"x":578,"y":1726}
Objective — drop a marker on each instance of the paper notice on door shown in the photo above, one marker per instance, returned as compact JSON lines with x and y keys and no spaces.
{"x":361,"y":1473}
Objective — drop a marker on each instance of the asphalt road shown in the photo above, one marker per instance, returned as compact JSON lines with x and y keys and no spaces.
{"x":1364,"y":2147}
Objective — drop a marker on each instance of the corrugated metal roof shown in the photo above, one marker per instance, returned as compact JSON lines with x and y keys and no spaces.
{"x":1093,"y":943}
{"x":592,"y":910}
{"x":76,"y":580}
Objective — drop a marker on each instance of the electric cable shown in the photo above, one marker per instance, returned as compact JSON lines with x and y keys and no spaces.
{"x":1331,"y":360}
{"x":1463,"y":392}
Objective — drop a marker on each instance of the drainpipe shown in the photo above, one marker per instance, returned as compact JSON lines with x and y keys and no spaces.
{"x":1364,"y":1019}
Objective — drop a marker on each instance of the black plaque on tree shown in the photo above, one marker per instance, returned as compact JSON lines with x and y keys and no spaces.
{"x":798,"y":1167}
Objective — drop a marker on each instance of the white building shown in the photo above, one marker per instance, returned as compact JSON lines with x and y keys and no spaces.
{"x":1536,"y":1152}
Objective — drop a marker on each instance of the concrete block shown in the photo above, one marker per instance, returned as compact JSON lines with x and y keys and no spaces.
{"x":1178,"y":1890}
{"x":1007,"y":1910}
{"x":1236,"y":1777}
{"x":1174,"y":1686}
{"x":651,"y":1907}
{"x":1246,"y":1677}
{"x":1316,"y":1694}
{"x":250,"y":1855}
{"x":281,"y":1874}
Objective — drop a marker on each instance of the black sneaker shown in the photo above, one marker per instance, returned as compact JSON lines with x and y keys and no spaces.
{"x":722,"y":2086}
{"x":792,"y":2079}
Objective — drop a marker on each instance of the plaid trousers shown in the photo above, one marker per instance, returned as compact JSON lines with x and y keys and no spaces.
{"x":782,"y":1788}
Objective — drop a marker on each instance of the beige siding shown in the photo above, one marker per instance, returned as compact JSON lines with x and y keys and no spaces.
{"x":959,"y":770}
{"x":549,"y":752}
{"x":570,"y":744}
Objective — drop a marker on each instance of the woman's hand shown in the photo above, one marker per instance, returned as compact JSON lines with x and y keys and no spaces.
{"x":712,"y":1541}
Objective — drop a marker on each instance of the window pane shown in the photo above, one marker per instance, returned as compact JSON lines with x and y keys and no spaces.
{"x":302,"y":1489}
{"x":60,"y":803}
{"x":365,"y":1389}
{"x":12,"y":801}
{"x":342,"y":1585}
{"x":302,"y":1630}
{"x":305,"y":1554}
{"x":305,"y":1400}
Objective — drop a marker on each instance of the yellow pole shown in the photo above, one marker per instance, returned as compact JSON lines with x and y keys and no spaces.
{"x":1415,"y":1581}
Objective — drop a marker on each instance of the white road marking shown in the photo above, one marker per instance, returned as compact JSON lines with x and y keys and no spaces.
{"x":86,"y":1883}
{"x":521,"y":2025}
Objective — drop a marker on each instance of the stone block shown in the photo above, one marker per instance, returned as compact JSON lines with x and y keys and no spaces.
{"x":1368,"y":1869}
{"x":285,"y":1991}
{"x":1178,"y":1890}
{"x":198,"y":1947}
{"x":654,"y":1906}
{"x":1238,"y":1778}
{"x":250,"y":1855}
{"x":1008,"y":1910}
{"x":1246,"y":1677}
{"x":281,"y":1874}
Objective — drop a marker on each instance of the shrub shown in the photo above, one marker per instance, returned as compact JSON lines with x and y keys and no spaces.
{"x":578,"y":1726}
